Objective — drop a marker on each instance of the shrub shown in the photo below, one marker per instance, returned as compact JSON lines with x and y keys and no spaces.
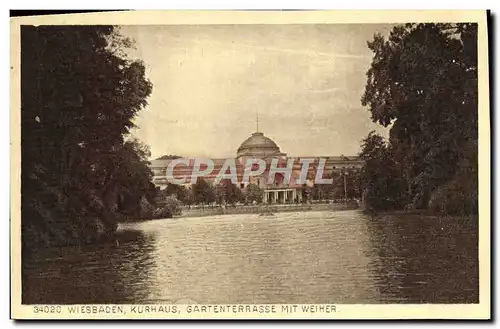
{"x":457,"y":197}
{"x":172,"y":207}
{"x":147,"y":209}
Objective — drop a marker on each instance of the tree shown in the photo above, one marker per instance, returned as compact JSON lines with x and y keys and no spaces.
{"x":179,"y":191}
{"x":203,"y":192}
{"x":346,"y":184}
{"x":169,"y":157}
{"x":79,"y":95}
{"x":171,"y":207}
{"x":189,"y":197}
{"x":253,"y":193}
{"x":423,"y":82}
{"x":382,"y":186}
{"x":132,"y":181}
{"x":227,"y":192}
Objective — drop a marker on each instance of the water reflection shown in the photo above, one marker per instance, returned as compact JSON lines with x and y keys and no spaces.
{"x":103,"y":273}
{"x":307,"y":257}
{"x":425,"y":259}
{"x":292,"y":258}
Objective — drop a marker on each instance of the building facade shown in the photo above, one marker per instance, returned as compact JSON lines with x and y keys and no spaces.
{"x":278,"y":186}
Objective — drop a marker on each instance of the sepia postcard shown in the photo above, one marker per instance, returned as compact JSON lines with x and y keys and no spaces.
{"x":250,"y":165}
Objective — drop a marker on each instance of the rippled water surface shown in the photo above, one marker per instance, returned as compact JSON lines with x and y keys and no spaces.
{"x":303,"y":257}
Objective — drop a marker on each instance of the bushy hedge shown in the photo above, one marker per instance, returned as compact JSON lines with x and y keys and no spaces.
{"x":172,"y":207}
{"x":458,"y":197}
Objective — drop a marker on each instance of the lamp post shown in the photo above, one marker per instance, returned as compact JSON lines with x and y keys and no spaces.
{"x":345,"y":173}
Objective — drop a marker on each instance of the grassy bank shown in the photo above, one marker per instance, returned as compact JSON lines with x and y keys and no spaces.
{"x":258,"y":209}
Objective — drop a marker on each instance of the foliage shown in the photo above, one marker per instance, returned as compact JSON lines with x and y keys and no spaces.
{"x":460,"y":195}
{"x":172,"y":207}
{"x":134,"y":178}
{"x":79,"y":95}
{"x":227,"y":192}
{"x":169,"y":157}
{"x":182,"y":193}
{"x":423,"y":82}
{"x":382,"y":185}
{"x":146,"y":208}
{"x":337,"y":190}
{"x":203,"y":192}
{"x":189,"y":197}
{"x":253,"y":193}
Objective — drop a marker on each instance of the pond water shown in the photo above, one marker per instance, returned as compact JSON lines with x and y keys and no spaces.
{"x":301,"y":257}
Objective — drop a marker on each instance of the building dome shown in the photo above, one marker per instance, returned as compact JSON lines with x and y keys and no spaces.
{"x":258,"y":145}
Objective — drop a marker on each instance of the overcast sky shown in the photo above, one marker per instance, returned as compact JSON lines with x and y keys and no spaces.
{"x":209,"y":82}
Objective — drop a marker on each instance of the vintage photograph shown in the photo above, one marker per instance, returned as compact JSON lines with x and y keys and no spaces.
{"x":248,"y":164}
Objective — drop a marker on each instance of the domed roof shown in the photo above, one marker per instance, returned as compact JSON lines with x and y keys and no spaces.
{"x":258,"y":145}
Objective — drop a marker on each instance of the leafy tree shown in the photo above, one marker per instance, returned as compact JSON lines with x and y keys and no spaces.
{"x":79,"y":95}
{"x":227,"y":192}
{"x":423,"y":82}
{"x":146,"y":209}
{"x":171,"y":207}
{"x":253,"y":193}
{"x":337,"y":190}
{"x":132,"y":184}
{"x":169,"y":157}
{"x":203,"y":192}
{"x":178,"y":191}
{"x":189,"y":197}
{"x":382,"y":185}
{"x":321,"y":191}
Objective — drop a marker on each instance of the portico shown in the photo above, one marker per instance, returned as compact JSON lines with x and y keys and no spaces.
{"x":281,"y":196}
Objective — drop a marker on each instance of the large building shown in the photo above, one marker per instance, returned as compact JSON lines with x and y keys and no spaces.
{"x":257,"y":146}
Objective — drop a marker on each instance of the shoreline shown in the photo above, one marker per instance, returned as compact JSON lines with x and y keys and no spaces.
{"x":265,"y":209}
{"x":254,"y":209}
{"x":420,"y":213}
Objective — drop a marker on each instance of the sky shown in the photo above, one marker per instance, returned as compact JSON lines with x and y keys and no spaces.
{"x":210,"y":82}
